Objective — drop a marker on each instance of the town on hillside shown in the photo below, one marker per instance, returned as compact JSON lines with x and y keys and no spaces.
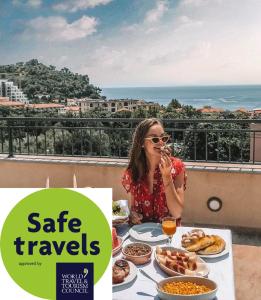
{"x":11,"y":96}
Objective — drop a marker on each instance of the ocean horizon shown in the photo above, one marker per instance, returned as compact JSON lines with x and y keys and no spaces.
{"x":227,"y":97}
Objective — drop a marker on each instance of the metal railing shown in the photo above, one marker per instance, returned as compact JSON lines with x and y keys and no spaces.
{"x":226,"y":141}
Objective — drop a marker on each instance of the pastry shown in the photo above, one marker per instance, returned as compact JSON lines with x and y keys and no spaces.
{"x":124,"y":265}
{"x":201,"y":243}
{"x":218,"y":246}
{"x":192,"y":237}
{"x":118,"y":275}
{"x":120,"y":270}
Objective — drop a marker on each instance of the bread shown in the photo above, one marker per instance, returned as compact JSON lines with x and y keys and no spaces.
{"x":192,"y":237}
{"x":217,"y":247}
{"x":201,"y":243}
{"x":120,"y":270}
{"x":118,"y":275}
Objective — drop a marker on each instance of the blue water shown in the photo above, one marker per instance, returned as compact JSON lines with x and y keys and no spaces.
{"x":226,"y":97}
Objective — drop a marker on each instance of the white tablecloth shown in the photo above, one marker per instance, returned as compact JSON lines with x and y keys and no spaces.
{"x":221,"y":271}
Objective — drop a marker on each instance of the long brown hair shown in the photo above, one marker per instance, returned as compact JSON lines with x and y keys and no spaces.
{"x":138,"y":163}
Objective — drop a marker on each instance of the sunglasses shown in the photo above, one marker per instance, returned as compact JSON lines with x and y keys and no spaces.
{"x":157,"y":139}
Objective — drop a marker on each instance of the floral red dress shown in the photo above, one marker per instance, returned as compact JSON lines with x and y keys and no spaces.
{"x":153,"y":206}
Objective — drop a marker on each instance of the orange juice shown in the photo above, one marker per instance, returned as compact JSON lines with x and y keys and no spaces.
{"x":169,"y":227}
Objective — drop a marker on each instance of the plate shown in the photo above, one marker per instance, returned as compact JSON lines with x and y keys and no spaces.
{"x":132,"y":275}
{"x":118,"y":248}
{"x":223,"y":253}
{"x":202,"y":269}
{"x":148,"y":232}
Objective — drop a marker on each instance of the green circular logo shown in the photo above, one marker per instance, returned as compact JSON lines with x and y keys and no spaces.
{"x":53,"y":226}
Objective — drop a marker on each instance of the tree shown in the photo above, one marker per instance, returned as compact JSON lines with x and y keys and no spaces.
{"x":174,"y":104}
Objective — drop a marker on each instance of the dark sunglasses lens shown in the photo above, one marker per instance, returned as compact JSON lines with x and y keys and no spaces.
{"x":165,"y":139}
{"x":155,"y":140}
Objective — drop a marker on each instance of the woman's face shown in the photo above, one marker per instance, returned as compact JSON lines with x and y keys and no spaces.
{"x":151,"y":148}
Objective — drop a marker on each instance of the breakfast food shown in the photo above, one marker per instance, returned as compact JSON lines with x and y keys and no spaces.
{"x":201,"y":243}
{"x":184,"y":288}
{"x":138,"y":253}
{"x":115,"y":240}
{"x":117,"y":210}
{"x":181,"y":262}
{"x":197,"y":241}
{"x":120,"y":270}
{"x":137,"y":249}
{"x":218,"y":246}
{"x":191,"y":237}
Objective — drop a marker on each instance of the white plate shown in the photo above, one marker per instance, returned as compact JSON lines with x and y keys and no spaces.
{"x":224,"y":252}
{"x":202,"y":269}
{"x":132,"y":275}
{"x":147,"y":232}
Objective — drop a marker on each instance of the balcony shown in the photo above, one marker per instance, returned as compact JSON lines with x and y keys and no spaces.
{"x":54,"y":153}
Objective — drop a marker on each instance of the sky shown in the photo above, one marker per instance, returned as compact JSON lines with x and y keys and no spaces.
{"x":122,"y":43}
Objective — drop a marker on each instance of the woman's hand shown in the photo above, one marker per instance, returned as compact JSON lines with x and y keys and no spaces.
{"x":135,"y":218}
{"x":165,"y":166}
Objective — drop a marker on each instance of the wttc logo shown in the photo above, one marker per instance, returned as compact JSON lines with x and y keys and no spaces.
{"x":74,"y":281}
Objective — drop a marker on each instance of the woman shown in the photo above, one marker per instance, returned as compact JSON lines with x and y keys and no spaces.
{"x":155,"y":180}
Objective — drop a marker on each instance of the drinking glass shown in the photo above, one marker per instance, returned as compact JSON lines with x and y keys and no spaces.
{"x":169,"y":228}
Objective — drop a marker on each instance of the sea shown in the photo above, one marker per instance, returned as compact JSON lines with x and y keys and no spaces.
{"x":226,"y":97}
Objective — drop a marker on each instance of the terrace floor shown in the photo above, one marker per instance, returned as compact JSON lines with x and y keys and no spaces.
{"x":247,"y":272}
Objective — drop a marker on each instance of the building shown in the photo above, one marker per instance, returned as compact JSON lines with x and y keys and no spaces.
{"x":74,"y":110}
{"x":210,"y":110}
{"x":4,"y":101}
{"x":116,"y":104}
{"x":8,"y":89}
{"x":46,"y":107}
{"x":256,"y":112}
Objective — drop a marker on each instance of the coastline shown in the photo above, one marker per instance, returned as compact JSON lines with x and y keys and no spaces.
{"x":226,"y":97}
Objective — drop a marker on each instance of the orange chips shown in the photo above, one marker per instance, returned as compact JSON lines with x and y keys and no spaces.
{"x":184,"y":288}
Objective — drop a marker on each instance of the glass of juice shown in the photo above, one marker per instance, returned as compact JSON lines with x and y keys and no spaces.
{"x":169,"y":228}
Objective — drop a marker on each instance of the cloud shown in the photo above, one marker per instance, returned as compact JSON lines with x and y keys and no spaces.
{"x":30,"y":3}
{"x":76,"y":5}
{"x":150,"y":23}
{"x":155,"y":14}
{"x":57,"y":28}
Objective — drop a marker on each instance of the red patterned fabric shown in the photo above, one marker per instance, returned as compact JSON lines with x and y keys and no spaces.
{"x":153,"y":206}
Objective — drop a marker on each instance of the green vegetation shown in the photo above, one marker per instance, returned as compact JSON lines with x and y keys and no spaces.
{"x":204,"y":140}
{"x":37,"y":79}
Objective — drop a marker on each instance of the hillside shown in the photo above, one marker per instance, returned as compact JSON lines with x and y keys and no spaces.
{"x":36,"y":78}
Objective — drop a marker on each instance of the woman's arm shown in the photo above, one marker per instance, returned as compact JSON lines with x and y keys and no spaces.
{"x":174,"y":191}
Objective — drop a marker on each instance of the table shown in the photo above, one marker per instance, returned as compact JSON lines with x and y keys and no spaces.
{"x":221,"y":270}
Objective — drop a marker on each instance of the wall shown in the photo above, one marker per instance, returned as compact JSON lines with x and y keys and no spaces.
{"x":239,"y":190}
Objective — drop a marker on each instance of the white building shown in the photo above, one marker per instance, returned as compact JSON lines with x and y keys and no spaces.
{"x":116,"y":105}
{"x":8,"y":89}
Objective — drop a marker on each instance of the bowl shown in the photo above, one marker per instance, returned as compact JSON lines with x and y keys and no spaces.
{"x":138,"y":253}
{"x":201,"y":266}
{"x":194,"y":279}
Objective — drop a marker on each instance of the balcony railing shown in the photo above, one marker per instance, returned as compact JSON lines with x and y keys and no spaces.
{"x":226,"y":141}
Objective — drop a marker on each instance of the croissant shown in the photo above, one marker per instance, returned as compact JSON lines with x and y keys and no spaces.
{"x":201,"y":243}
{"x":218,"y":246}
